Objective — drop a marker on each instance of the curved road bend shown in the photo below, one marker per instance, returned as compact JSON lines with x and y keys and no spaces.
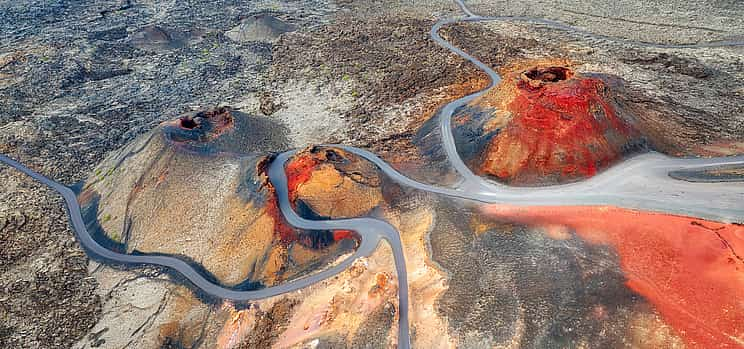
{"x":370,"y":229}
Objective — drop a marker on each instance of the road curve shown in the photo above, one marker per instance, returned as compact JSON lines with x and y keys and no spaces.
{"x":464,"y":8}
{"x":93,"y":248}
{"x":641,"y":182}
{"x":371,"y":230}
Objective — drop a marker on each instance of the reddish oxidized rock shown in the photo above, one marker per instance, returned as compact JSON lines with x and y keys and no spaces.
{"x":324,"y":182}
{"x":553,"y":125}
{"x":333,"y":183}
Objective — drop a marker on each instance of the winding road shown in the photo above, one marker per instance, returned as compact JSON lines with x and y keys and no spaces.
{"x":642,"y":182}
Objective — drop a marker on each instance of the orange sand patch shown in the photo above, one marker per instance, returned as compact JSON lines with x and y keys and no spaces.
{"x":236,"y":327}
{"x":690,"y":269}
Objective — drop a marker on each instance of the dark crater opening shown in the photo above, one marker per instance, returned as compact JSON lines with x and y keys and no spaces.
{"x":188,"y":123}
{"x":333,"y":156}
{"x":548,"y":74}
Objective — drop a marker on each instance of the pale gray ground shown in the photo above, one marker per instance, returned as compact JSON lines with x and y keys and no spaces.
{"x":80,"y":79}
{"x":659,"y":21}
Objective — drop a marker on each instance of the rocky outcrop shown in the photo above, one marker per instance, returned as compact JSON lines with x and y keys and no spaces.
{"x":262,"y":27}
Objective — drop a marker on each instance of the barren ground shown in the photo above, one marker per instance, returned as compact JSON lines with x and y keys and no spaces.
{"x":79,"y":80}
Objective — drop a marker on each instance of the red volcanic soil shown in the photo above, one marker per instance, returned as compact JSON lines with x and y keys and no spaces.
{"x":343,"y":234}
{"x":285,"y":232}
{"x":556,"y":125}
{"x":690,"y":269}
{"x":299,"y":170}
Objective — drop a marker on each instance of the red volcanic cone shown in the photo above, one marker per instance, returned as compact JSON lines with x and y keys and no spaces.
{"x":555,"y":126}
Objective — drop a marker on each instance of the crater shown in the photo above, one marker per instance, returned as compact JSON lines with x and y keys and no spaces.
{"x":188,"y":123}
{"x":548,"y":74}
{"x":223,"y":130}
{"x":259,"y":28}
